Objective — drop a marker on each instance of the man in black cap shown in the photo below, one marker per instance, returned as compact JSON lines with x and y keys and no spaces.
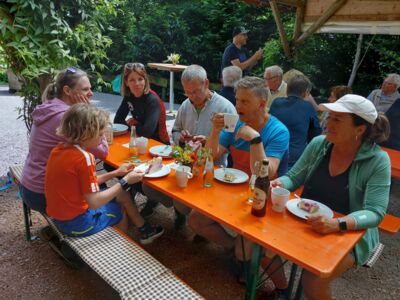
{"x":236,"y":56}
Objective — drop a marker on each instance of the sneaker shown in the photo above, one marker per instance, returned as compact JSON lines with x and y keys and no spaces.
{"x":148,"y":210}
{"x":148,"y":233}
{"x":180,"y":220}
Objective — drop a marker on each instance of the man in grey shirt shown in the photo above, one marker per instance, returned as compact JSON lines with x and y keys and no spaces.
{"x":384,"y":97}
{"x":193,"y":122}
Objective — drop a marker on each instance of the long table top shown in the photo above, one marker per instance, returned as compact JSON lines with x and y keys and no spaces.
{"x":284,"y":233}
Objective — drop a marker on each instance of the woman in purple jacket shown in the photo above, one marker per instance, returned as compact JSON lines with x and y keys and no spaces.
{"x":72,"y":86}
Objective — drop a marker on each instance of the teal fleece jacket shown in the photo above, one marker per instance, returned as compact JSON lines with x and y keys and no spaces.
{"x":369,"y":187}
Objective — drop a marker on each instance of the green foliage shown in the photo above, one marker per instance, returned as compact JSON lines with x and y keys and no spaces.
{"x":41,"y":36}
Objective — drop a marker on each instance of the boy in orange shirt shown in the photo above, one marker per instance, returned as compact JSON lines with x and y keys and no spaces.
{"x":73,"y":196}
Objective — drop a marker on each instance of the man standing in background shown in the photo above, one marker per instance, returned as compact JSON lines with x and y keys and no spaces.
{"x":234,"y":54}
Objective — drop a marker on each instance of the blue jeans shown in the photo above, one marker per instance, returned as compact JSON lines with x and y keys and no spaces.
{"x":34,"y":200}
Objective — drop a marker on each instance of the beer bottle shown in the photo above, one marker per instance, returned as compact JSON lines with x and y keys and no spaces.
{"x":261,"y":190}
{"x":133,"y":148}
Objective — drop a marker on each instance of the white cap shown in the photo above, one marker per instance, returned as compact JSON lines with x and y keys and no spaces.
{"x":354,"y":104}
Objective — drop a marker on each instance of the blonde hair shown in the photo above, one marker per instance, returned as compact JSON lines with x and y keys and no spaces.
{"x":82,"y":122}
{"x":67,"y":77}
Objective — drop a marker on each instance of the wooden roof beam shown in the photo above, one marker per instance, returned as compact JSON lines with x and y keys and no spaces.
{"x":335,"y":6}
{"x":301,"y":5}
{"x":281,"y":30}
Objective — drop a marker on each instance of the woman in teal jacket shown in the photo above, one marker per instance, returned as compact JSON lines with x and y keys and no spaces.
{"x":347,"y":171}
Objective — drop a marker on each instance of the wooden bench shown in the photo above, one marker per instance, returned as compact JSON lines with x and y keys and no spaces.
{"x":120,"y":261}
{"x":394,"y":156}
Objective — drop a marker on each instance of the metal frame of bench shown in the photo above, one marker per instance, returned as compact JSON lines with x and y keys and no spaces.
{"x":115,"y":257}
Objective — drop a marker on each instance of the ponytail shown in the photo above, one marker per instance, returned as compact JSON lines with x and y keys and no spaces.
{"x":50,"y":92}
{"x":374,"y":133}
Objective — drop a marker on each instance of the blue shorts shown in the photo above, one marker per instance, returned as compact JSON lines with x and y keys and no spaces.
{"x":92,"y":221}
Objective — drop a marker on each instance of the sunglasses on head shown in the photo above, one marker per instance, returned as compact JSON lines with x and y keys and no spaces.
{"x":131,"y":66}
{"x":71,"y":70}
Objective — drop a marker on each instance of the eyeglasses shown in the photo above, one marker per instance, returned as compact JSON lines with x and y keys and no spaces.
{"x":194,"y":93}
{"x":71,"y":70}
{"x":131,"y":66}
{"x":270,"y":78}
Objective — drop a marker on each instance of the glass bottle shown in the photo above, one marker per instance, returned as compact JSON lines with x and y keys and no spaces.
{"x":261,"y":190}
{"x":133,"y":148}
{"x":208,"y":170}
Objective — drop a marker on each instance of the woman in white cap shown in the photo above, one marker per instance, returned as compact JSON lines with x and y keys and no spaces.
{"x":347,"y":171}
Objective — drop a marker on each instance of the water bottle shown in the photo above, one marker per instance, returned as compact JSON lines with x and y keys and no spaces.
{"x":133,"y":148}
{"x":209,"y":170}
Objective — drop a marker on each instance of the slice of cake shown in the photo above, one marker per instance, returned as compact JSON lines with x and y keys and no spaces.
{"x":155,"y":165}
{"x":308,"y":206}
{"x":230,"y":177}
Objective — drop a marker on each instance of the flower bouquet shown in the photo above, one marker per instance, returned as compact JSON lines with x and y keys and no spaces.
{"x":192,"y":154}
{"x":174,"y":58}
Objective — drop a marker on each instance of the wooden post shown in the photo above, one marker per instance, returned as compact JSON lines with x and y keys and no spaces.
{"x":299,"y":19}
{"x":335,"y":6}
{"x":281,"y":30}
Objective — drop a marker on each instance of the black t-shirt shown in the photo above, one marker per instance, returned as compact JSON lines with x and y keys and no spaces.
{"x":333,"y":191}
{"x":231,"y":53}
{"x":145,"y":109}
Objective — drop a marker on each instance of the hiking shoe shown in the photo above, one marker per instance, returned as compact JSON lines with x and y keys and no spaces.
{"x":148,"y":209}
{"x":148,"y":233}
{"x":47,"y":233}
{"x":180,"y":220}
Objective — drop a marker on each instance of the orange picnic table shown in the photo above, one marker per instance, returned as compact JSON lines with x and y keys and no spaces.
{"x":283,"y":233}
{"x":394,"y":161}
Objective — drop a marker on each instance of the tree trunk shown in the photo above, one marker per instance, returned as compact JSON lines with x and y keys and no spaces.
{"x":356,"y":61}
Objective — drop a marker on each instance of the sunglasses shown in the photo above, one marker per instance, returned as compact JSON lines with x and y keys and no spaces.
{"x":71,"y":70}
{"x":131,"y":66}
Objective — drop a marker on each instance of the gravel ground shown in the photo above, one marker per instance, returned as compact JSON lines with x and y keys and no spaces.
{"x":34,"y":271}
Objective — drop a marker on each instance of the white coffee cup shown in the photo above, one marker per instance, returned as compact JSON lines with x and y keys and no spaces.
{"x":182,"y":175}
{"x":279,"y":198}
{"x":230,"y":121}
{"x":141,"y":143}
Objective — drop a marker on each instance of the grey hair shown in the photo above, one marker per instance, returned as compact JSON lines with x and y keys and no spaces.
{"x":396,"y":79}
{"x":298,"y":85}
{"x":230,"y":75}
{"x":254,"y":84}
{"x":274,"y":70}
{"x":194,"y":72}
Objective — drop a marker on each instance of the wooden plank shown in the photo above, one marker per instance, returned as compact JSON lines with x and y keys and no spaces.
{"x":281,"y":30}
{"x":315,"y":8}
{"x":324,"y":17}
{"x":364,"y":18}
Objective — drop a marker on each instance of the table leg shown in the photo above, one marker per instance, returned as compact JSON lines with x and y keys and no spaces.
{"x":171,"y":91}
{"x":253,"y":276}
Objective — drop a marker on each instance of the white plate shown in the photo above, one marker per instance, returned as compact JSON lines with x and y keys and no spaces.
{"x":291,"y":205}
{"x":119,"y":129}
{"x":240,"y":175}
{"x":165,"y":170}
{"x":161,"y":150}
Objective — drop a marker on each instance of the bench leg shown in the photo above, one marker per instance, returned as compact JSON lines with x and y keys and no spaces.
{"x":28,"y":222}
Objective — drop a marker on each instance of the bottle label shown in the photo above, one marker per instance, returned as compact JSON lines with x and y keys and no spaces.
{"x":259,"y":198}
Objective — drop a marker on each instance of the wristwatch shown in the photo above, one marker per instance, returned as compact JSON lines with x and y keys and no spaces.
{"x":124,"y":184}
{"x":342,"y":225}
{"x":255,"y":140}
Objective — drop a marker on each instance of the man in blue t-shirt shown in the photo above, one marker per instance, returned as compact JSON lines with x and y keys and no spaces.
{"x":257,"y":136}
{"x":298,"y":115}
{"x":234,"y":54}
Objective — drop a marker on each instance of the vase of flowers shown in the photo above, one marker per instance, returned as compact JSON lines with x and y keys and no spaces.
{"x":192,"y":154}
{"x":173,"y":58}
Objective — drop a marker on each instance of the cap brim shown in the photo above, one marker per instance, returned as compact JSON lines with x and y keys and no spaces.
{"x":336,"y":107}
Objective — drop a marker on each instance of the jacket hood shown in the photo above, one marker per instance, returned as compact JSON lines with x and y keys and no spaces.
{"x":47,"y":110}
